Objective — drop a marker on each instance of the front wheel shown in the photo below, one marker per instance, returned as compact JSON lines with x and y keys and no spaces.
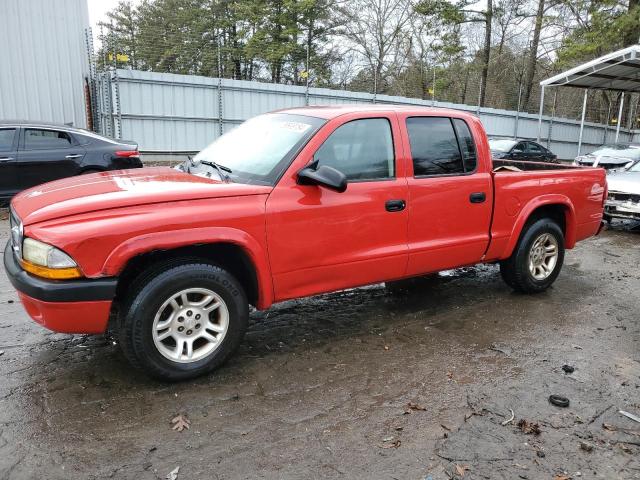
{"x":537,"y":259}
{"x":184,"y":321}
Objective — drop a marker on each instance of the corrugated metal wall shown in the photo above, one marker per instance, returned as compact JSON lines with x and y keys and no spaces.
{"x":44,"y":60}
{"x":182,"y":113}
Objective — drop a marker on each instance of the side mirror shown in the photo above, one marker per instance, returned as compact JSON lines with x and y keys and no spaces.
{"x":323,"y":176}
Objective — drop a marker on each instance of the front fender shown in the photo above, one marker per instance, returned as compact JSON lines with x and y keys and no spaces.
{"x":534,"y":204}
{"x":135,"y":246}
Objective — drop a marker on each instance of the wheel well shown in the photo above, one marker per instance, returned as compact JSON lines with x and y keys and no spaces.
{"x":556,"y":212}
{"x":228,"y":256}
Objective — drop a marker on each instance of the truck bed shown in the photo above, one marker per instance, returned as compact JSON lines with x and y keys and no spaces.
{"x":527,"y":166}
{"x":518,"y":192}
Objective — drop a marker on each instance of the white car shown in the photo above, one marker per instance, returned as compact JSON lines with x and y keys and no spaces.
{"x":624,"y":194}
{"x":613,"y":158}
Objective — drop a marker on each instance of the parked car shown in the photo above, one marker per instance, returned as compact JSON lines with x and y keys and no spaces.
{"x":35,"y":153}
{"x":623,"y":200}
{"x":289,"y":204}
{"x":522,"y":150}
{"x":613,"y":158}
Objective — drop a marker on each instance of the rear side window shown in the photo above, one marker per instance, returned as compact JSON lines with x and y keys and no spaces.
{"x":534,"y":148}
{"x":467,"y":145}
{"x":434,"y":146}
{"x":361,"y":149}
{"x":6,"y":139}
{"x":35,"y":139}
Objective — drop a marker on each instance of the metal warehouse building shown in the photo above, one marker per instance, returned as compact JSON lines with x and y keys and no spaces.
{"x":44,"y":63}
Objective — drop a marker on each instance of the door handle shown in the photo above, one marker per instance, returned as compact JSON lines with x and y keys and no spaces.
{"x":5,"y":159}
{"x":477,"y":197}
{"x":395,"y":205}
{"x":75,"y":155}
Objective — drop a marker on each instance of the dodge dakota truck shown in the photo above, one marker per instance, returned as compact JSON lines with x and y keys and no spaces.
{"x":289,"y":204}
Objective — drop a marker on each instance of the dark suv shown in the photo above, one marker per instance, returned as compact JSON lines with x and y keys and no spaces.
{"x":35,"y":153}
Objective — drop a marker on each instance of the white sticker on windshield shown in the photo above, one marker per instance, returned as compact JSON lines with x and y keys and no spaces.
{"x":295,"y":126}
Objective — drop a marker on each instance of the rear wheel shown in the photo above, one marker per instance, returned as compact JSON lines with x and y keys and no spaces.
{"x":183,"y":321}
{"x":537,"y":259}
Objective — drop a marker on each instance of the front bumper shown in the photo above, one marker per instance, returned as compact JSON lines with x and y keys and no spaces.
{"x":68,"y":306}
{"x":622,"y":209}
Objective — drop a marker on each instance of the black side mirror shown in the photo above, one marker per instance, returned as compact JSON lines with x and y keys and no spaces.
{"x":323,"y":176}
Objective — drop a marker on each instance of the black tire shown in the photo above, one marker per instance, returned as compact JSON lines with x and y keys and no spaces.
{"x":91,"y":170}
{"x":515,"y":270}
{"x":151,"y":290}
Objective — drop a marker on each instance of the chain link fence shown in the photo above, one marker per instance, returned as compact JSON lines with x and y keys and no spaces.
{"x":158,"y":108}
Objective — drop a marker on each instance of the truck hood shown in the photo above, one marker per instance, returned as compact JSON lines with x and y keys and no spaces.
{"x":121,"y":188}
{"x":624,"y":182}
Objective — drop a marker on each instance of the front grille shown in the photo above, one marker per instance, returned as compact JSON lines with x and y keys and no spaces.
{"x":624,"y":197}
{"x":16,"y":233}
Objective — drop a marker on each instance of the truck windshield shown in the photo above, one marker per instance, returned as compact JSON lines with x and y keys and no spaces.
{"x":635,"y":167}
{"x":260,"y":149}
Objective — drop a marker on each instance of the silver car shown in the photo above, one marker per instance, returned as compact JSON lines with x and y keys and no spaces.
{"x":613,"y":158}
{"x":624,"y":194}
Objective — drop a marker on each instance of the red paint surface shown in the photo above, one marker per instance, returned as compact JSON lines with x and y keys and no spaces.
{"x":68,"y":317}
{"x":305,"y":240}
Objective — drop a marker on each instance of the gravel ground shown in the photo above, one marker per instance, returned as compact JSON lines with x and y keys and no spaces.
{"x":371,"y":383}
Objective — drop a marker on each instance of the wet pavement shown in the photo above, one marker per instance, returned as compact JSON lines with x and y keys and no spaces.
{"x":372,"y":383}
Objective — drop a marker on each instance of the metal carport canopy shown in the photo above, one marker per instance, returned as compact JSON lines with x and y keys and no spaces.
{"x":618,"y":71}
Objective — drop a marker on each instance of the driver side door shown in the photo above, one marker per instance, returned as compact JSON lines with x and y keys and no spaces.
{"x":320,"y":240}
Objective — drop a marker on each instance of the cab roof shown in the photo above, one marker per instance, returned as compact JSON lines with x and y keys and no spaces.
{"x":328,"y":112}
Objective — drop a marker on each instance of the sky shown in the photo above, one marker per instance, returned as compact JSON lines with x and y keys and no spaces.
{"x":98,"y":9}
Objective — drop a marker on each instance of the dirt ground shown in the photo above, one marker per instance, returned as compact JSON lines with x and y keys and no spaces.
{"x":363,"y":384}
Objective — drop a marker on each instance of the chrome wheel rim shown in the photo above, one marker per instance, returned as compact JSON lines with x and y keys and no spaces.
{"x":190,"y":325}
{"x":543,"y":256}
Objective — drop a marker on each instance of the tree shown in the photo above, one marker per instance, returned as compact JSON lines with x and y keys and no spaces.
{"x":533,"y":53}
{"x":376,"y":30}
{"x":459,"y":13}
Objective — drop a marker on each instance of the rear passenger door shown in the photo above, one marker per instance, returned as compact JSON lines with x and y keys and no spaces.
{"x":8,"y":158}
{"x":450,"y":202}
{"x":47,"y":154}
{"x":536,"y":152}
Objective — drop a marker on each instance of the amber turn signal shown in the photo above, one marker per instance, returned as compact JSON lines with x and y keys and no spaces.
{"x":51,"y":273}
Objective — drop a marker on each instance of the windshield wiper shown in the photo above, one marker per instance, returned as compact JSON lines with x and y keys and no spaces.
{"x":221,"y":169}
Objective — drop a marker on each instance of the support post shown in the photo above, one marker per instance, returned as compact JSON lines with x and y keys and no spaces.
{"x":606,"y":125}
{"x":220,"y":128}
{"x":619,"y":116}
{"x":433,"y":88}
{"x":553,"y":114}
{"x":584,"y":111}
{"x":540,"y":114}
{"x":306,"y":88}
{"x":515,"y":127}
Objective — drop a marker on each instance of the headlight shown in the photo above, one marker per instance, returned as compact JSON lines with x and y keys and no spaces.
{"x":47,"y":261}
{"x":16,"y":233}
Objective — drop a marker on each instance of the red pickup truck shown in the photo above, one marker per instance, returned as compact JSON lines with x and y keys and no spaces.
{"x":289,"y":204}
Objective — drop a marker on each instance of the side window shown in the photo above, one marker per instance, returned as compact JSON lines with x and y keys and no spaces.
{"x":361,"y":149}
{"x":534,"y":148}
{"x":35,"y":139}
{"x":467,"y":145}
{"x":519,"y":148}
{"x":6,"y":139}
{"x":434,"y":146}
